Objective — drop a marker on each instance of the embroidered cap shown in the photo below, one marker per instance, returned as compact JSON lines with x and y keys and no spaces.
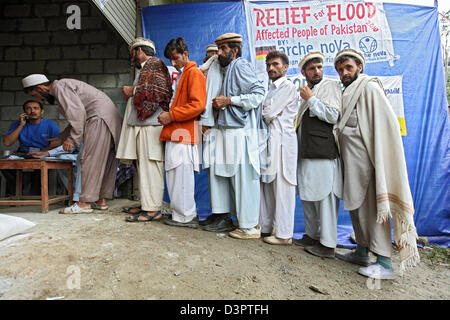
{"x":34,"y":80}
{"x":352,"y":53}
{"x":228,"y":37}
{"x":139,"y":41}
{"x":309,"y":56}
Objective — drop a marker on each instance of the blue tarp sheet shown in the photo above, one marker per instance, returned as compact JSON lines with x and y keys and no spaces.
{"x":416,"y":39}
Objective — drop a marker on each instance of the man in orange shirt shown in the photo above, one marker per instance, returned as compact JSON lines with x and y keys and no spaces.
{"x":181,"y":133}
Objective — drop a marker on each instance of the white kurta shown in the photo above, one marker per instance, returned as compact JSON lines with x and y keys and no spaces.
{"x":279,"y":179}
{"x":316,"y":178}
{"x":181,"y":162}
{"x":320,"y":180}
{"x":142,"y":143}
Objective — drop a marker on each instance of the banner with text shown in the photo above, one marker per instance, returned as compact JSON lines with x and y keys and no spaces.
{"x":297,"y":28}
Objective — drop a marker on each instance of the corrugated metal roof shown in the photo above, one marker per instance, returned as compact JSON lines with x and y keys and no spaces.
{"x":121,"y":14}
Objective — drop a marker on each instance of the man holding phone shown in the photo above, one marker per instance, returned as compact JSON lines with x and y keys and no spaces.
{"x":32,"y":130}
{"x":33,"y":133}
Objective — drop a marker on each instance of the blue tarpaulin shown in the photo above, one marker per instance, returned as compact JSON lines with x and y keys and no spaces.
{"x":416,"y":41}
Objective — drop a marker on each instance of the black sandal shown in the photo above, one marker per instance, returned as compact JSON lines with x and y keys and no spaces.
{"x":135,"y":217}
{"x":128,"y":210}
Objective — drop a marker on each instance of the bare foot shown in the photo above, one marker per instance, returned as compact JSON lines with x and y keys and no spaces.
{"x":101,"y":202}
{"x":84,"y":205}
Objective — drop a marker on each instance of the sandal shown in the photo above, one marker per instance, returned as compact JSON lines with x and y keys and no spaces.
{"x":95,"y":206}
{"x":129,"y":210}
{"x":75,"y":209}
{"x":135,"y":218}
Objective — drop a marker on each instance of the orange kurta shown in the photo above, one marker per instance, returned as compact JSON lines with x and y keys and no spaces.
{"x":188,"y":104}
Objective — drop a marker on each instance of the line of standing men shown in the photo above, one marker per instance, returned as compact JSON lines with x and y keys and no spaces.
{"x":253,"y":176}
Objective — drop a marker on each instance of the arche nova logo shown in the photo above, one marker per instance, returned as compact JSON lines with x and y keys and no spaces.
{"x":369,"y":47}
{"x":368,"y":44}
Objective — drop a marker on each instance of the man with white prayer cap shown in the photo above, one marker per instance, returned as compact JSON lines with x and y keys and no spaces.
{"x":94,"y":119}
{"x":319,"y":174}
{"x":149,"y":95}
{"x":376,"y":186}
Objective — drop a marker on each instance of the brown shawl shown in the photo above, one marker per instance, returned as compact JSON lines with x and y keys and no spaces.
{"x":154,"y":89}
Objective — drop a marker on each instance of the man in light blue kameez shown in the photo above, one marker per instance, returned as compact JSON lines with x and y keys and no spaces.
{"x":231,"y":149}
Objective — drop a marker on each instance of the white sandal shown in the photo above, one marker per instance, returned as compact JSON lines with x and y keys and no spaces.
{"x":75,"y":209}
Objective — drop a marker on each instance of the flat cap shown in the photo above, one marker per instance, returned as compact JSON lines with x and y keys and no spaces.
{"x":211,"y":47}
{"x":352,"y":53}
{"x":139,"y":41}
{"x":309,"y":56}
{"x":34,"y":80}
{"x":228,"y":37}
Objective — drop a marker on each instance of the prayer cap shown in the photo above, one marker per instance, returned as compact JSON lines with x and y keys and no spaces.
{"x":309,"y":56}
{"x":139,"y":41}
{"x":228,"y":37}
{"x":34,"y":80}
{"x":352,"y":53}
{"x":211,"y":47}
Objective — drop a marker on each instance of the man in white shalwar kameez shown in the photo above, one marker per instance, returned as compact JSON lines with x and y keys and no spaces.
{"x":278,"y":181}
{"x":231,"y":153}
{"x":140,"y":135}
{"x":319,"y":170}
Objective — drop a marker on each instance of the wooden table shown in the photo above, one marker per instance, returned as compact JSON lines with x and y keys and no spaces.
{"x":37,"y":164}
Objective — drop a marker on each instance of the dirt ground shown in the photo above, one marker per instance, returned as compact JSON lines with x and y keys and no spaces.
{"x":100,"y":256}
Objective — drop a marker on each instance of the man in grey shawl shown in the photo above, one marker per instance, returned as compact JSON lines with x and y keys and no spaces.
{"x":376,"y":186}
{"x":231,"y":153}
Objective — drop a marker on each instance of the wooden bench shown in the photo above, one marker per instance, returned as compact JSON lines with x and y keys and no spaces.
{"x":37,"y":164}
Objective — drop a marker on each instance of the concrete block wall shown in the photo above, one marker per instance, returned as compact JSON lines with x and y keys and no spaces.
{"x":34,"y":38}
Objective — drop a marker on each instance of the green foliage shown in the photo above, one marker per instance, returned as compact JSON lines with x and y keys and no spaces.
{"x":437,"y":255}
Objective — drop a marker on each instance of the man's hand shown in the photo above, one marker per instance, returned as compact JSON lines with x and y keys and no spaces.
{"x":23,"y":119}
{"x":39,"y":154}
{"x":164,"y":118}
{"x":54,"y":142}
{"x":221,"y":102}
{"x":67,"y":146}
{"x":306,"y":93}
{"x":204,"y":129}
{"x":127,"y":92}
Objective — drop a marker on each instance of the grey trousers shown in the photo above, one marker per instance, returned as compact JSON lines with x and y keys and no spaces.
{"x":321,"y":219}
{"x":369,"y":233}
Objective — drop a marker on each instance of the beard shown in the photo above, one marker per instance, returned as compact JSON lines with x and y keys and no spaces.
{"x":313,"y":82}
{"x":225,"y":60}
{"x":348,"y":80}
{"x":136,"y":62}
{"x":48,"y":97}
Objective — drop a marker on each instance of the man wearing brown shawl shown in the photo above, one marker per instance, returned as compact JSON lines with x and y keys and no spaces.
{"x":139,"y":140}
{"x":376,"y":186}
